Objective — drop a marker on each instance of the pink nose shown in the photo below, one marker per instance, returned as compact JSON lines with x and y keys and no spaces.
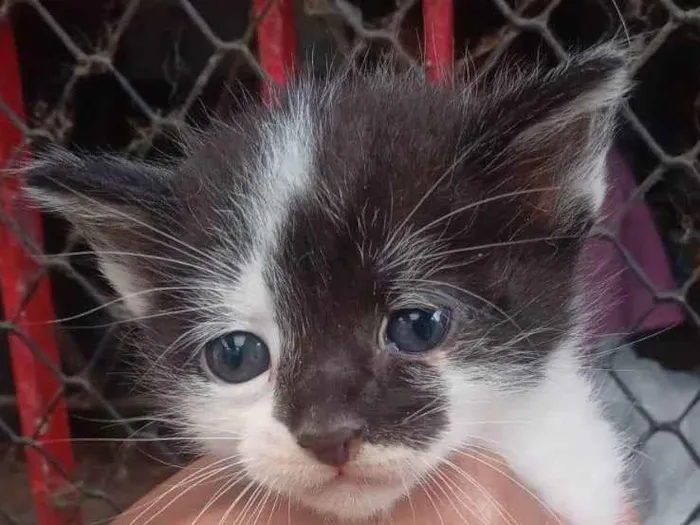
{"x":334,"y":448}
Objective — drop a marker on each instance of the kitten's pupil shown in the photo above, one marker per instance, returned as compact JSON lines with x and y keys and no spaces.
{"x":237,"y":357}
{"x":416,"y":330}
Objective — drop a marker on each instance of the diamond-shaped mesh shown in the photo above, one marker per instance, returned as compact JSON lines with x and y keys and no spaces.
{"x":122,"y":75}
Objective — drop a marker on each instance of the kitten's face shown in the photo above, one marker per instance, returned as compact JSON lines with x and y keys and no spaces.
{"x":340,"y":292}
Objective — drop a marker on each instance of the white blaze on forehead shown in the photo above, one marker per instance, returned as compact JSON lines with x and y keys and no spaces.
{"x":283,"y":173}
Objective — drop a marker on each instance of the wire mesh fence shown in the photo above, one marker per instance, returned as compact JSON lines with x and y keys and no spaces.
{"x":122,"y":75}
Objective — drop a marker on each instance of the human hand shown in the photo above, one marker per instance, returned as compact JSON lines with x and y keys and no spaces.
{"x":476,"y":489}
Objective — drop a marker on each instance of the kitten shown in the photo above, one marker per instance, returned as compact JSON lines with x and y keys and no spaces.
{"x":343,"y":291}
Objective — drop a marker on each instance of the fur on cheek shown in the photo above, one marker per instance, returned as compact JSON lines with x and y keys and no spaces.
{"x":473,"y":404}
{"x":220,"y":417}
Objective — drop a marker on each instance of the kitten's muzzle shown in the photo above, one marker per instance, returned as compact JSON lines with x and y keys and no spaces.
{"x":335,"y":448}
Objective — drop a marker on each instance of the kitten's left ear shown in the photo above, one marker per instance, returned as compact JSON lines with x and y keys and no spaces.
{"x":560,"y":126}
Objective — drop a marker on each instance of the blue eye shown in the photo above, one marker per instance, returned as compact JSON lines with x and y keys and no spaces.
{"x":416,"y":330}
{"x":237,"y":357}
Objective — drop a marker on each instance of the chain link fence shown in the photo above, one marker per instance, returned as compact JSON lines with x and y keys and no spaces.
{"x":122,"y":75}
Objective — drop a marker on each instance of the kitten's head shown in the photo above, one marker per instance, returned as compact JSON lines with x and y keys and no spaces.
{"x":339,"y":292}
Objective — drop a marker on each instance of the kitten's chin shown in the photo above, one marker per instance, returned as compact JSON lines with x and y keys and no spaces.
{"x":353,"y":504}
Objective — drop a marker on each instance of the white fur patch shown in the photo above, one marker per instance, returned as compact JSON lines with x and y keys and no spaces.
{"x":126,"y":283}
{"x":284,"y":174}
{"x":564,"y":450}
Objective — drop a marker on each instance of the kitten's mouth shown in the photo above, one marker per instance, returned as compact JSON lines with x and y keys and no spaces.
{"x":354,"y":495}
{"x":350,"y":480}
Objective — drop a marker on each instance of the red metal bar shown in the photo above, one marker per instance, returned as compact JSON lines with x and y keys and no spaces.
{"x":277,"y":43}
{"x":438,"y":36}
{"x":35,"y":383}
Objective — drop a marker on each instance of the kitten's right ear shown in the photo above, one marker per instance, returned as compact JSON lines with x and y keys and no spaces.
{"x":91,"y":190}
{"x":118,"y":206}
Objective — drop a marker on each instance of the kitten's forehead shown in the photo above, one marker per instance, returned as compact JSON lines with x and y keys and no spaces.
{"x":352,"y":163}
{"x":354,"y":199}
{"x":343,"y":196}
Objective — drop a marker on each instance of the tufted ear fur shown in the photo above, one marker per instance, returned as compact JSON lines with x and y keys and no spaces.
{"x":114,"y":203}
{"x":92,"y":189}
{"x":554,"y":129}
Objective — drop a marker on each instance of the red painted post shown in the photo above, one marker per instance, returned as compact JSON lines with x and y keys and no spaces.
{"x":36,"y":386}
{"x":277,"y":43}
{"x":438,"y":36}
